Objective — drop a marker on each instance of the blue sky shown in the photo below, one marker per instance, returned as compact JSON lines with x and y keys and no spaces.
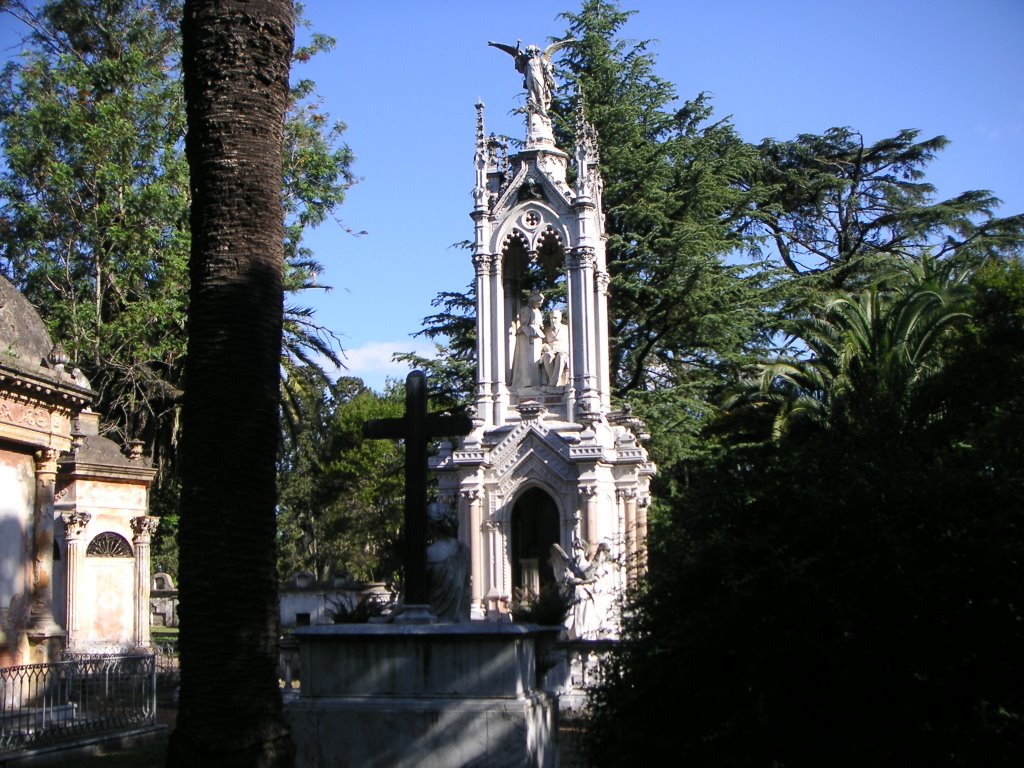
{"x":405,"y":75}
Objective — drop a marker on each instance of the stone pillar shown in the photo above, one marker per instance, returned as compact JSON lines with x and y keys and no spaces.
{"x":476,"y":555}
{"x":142,"y":529}
{"x":42,"y":627}
{"x":580,"y":264}
{"x":501,"y":355}
{"x":628,"y":498}
{"x":494,"y":555}
{"x":643,"y":504}
{"x":74,"y":532}
{"x":601,"y":324}
{"x":590,"y":530}
{"x":505,"y":557}
{"x":485,"y":374}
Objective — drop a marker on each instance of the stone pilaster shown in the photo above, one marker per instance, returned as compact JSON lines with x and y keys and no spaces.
{"x":142,"y":530}
{"x":42,"y":627}
{"x":628,"y":498}
{"x":580,"y":268}
{"x":589,"y":525}
{"x":495,"y":557}
{"x":473,"y":500}
{"x":642,"y":506}
{"x":74,"y":532}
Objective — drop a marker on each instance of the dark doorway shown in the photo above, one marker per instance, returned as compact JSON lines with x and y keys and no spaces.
{"x":534,"y":529}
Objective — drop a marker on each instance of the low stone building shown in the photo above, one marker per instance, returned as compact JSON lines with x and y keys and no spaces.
{"x":74,"y":533}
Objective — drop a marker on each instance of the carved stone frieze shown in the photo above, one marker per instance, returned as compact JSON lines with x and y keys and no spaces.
{"x":24,"y":415}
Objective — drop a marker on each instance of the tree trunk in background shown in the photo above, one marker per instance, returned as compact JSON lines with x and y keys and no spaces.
{"x":236,"y":59}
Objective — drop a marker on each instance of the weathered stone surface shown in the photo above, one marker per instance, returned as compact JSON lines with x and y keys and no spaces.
{"x":431,"y":696}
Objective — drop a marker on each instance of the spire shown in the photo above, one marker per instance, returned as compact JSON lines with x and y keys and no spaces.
{"x":588,"y":180}
{"x":480,"y":160}
{"x":479,"y":125}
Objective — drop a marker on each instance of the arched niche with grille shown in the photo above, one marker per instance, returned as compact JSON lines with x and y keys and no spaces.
{"x":109,"y":544}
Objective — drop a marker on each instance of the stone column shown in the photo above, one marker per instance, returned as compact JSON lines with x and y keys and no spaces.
{"x":490,"y":532}
{"x":476,"y":555}
{"x":505,"y":559}
{"x":628,"y":498}
{"x":142,"y":530}
{"x":74,"y":532}
{"x":501,"y":355}
{"x":601,"y":325}
{"x":42,"y":627}
{"x":643,"y":503}
{"x":485,"y":373}
{"x":590,"y":530}
{"x":580,"y":265}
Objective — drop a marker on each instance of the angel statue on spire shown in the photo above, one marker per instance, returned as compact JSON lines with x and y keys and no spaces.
{"x":537,"y":70}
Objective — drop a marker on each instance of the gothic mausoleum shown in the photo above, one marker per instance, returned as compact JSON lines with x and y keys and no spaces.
{"x":550,"y":460}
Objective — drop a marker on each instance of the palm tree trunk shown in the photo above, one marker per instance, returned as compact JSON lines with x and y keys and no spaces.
{"x":236,"y":58}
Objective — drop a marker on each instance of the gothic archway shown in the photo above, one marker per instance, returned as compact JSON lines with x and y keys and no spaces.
{"x":535,"y":527}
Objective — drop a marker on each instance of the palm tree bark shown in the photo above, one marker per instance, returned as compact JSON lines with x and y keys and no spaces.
{"x":236,"y":58}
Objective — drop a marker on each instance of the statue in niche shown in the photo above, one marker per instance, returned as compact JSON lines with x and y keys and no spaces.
{"x":555,"y":351}
{"x":526,"y":357}
{"x":537,"y":71}
{"x":586,"y":582}
{"x":448,"y":567}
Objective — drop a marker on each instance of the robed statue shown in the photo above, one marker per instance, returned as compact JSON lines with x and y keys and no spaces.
{"x":448,"y":564}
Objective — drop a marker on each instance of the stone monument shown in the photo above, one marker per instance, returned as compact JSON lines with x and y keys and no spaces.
{"x":549,"y":461}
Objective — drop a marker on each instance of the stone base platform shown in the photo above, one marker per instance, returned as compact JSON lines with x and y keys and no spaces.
{"x":424,"y":695}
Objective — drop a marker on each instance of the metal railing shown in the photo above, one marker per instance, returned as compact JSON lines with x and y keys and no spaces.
{"x":42,"y":704}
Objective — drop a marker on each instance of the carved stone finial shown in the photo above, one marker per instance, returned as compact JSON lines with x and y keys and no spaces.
{"x":134,"y":450}
{"x":480,"y":140}
{"x":57,"y":358}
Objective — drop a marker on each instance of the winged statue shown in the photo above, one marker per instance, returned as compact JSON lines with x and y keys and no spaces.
{"x":537,"y":70}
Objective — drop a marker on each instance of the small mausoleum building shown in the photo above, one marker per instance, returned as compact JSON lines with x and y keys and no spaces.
{"x":550,"y":460}
{"x":74,"y":533}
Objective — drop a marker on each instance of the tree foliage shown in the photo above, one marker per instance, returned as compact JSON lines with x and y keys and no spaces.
{"x":94,"y":197}
{"x":341,"y":497}
{"x":837,"y":206}
{"x":847,"y":595}
{"x":862,"y":359}
{"x":674,"y":210}
{"x":94,"y":200}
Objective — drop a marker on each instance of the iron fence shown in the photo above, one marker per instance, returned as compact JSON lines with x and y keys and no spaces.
{"x":42,"y":704}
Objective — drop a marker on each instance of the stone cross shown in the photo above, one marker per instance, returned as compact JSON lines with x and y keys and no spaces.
{"x":416,"y":428}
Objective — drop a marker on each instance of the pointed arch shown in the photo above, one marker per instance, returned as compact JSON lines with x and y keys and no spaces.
{"x":535,"y":524}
